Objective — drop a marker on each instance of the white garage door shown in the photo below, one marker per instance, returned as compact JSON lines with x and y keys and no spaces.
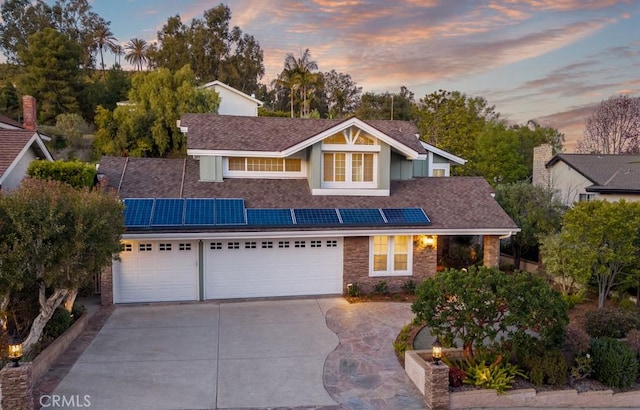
{"x":272,"y":267}
{"x":153,"y":271}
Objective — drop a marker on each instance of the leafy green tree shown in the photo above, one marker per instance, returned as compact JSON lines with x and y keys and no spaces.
{"x":534,"y":209}
{"x":484,"y":305}
{"x":563,"y":264}
{"x":341,"y":93}
{"x":385,"y":106}
{"x":9,"y":104}
{"x":497,"y":156}
{"x":105,"y":89}
{"x":75,"y":173}
{"x":60,"y":237}
{"x":453,"y":121}
{"x":73,"y":18}
{"x":603,"y":237}
{"x":51,"y":73}
{"x":214,"y":50}
{"x":533,"y":134}
{"x":146,"y":126}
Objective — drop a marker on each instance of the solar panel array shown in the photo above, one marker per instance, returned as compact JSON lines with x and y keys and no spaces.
{"x":203,"y":212}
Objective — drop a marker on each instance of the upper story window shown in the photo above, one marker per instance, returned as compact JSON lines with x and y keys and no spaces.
{"x":256,"y":166}
{"x":349,"y":159}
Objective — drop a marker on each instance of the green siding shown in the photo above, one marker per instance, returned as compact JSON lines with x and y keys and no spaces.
{"x":437,"y":159}
{"x":384,"y":167}
{"x":314,"y":166}
{"x":420,"y":168}
{"x":401,"y":167}
{"x":210,"y":168}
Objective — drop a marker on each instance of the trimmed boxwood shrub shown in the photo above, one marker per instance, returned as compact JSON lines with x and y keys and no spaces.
{"x":614,"y":323}
{"x":614,"y":363}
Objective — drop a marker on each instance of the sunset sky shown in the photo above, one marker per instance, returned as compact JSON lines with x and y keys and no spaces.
{"x":551,"y":60}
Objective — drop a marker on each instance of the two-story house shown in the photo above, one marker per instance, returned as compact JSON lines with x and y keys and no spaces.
{"x":266,"y":207}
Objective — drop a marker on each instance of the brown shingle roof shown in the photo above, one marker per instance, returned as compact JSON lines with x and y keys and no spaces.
{"x":451,"y":203}
{"x":275,"y":134}
{"x":12,"y":142}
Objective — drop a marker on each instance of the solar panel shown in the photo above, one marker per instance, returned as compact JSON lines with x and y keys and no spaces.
{"x":361,"y":216}
{"x":401,"y":216}
{"x":168,"y":212}
{"x":316,"y":216}
{"x":230,"y":212}
{"x":199,"y":211}
{"x":137,"y":212}
{"x":269,"y":217}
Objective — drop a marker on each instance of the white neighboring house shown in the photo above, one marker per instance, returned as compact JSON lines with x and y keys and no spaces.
{"x":234,"y":102}
{"x":586,"y":177}
{"x":18,"y":148}
{"x":20,"y":144}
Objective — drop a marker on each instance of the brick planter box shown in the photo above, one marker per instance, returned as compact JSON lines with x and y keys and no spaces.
{"x":433,"y":382}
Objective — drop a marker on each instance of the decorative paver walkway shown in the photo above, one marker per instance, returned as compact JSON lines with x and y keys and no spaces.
{"x":363,"y":371}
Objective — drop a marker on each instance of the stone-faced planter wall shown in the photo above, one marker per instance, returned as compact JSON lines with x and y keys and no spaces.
{"x":433,"y":382}
{"x":16,"y":383}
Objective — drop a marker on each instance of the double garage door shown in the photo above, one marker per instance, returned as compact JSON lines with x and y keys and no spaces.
{"x":150,"y":271}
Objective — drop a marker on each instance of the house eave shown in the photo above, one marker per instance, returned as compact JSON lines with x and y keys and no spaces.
{"x":444,"y":154}
{"x":427,"y":230}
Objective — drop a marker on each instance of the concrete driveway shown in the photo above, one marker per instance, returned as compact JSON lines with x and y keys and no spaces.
{"x":257,"y":354}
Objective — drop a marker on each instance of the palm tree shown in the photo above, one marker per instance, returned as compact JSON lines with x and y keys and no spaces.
{"x":299,"y":73}
{"x":137,"y":54}
{"x":104,"y":39}
{"x":117,"y":51}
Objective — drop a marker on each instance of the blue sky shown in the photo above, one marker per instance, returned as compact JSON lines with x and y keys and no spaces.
{"x":551,"y":60}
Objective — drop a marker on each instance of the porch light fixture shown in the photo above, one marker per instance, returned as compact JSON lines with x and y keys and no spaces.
{"x":427,"y":241}
{"x":436,"y":351}
{"x":15,"y":349}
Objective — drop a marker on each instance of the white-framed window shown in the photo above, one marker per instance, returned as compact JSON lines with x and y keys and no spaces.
{"x":215,"y":246}
{"x":233,"y":245}
{"x":267,"y":245}
{"x":439,"y":172}
{"x":264,"y":167}
{"x":164,"y":247}
{"x":184,"y":246}
{"x":144,"y":247}
{"x":127,"y":247}
{"x":249,"y":245}
{"x":586,"y":197}
{"x":349,"y":160}
{"x":299,"y":244}
{"x":390,"y":255}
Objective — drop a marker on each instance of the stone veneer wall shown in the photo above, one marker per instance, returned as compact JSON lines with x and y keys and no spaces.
{"x":17,"y":387}
{"x":356,"y":266}
{"x":491,"y":251}
{"x":541,"y":155}
{"x":106,"y":286}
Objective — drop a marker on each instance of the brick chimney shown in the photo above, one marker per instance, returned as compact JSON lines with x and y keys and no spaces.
{"x":541,"y":155}
{"x":29,"y":113}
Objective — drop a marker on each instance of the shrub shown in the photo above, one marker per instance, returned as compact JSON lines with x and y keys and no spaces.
{"x":77,"y":311}
{"x":456,"y":376}
{"x":583,"y":367}
{"x":576,"y":339}
{"x":353,"y":290}
{"x":611,"y":322}
{"x":381,"y":288}
{"x":59,"y":322}
{"x":627,"y":304}
{"x":544,"y":366}
{"x":401,"y":344}
{"x":409,"y":287}
{"x":499,"y":377}
{"x":614,"y":363}
{"x":633,"y":341}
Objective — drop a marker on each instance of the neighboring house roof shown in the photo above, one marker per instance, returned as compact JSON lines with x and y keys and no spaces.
{"x":8,"y":123}
{"x":284,"y":136}
{"x":609,"y":173}
{"x":14,"y":144}
{"x":456,"y":204}
{"x":220,"y":84}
